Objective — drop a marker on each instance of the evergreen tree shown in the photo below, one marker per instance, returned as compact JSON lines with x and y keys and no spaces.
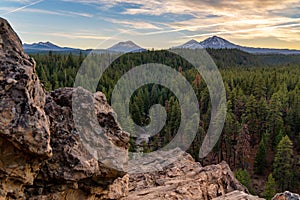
{"x":283,"y":164}
{"x":243,"y":176}
{"x":275,"y":121}
{"x":270,"y":188}
{"x":260,"y":163}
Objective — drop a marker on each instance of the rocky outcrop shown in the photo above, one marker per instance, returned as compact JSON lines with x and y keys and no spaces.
{"x":24,"y":126}
{"x":35,"y":164}
{"x":72,"y":170}
{"x":286,"y":196}
{"x":184,"y":179}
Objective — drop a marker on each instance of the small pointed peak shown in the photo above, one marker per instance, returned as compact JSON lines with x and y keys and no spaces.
{"x":127,"y":46}
{"x":192,"y":41}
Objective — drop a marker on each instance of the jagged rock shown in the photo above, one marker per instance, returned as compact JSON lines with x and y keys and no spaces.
{"x":286,"y":196}
{"x":184,"y":179}
{"x":24,"y":127}
{"x":237,"y":195}
{"x":27,"y":117}
{"x":72,"y":170}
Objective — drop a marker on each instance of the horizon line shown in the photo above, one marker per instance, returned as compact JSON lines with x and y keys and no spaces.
{"x":150,"y":48}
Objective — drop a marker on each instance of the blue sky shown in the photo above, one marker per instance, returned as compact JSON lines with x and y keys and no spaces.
{"x":154,"y":23}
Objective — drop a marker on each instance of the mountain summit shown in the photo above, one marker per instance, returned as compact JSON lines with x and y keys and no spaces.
{"x":126,"y":47}
{"x":216,"y":42}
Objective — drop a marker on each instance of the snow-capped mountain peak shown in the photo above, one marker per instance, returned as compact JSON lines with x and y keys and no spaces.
{"x":41,"y":45}
{"x":125,"y":47}
{"x":216,"y":42}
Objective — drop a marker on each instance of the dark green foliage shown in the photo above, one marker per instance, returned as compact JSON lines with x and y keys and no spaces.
{"x":260,"y":163}
{"x":270,"y":188}
{"x":234,"y":58}
{"x":279,"y":60}
{"x":244,"y":177}
{"x":283,"y":164}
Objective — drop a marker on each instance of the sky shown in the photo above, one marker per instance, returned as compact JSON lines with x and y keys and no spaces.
{"x":154,"y":23}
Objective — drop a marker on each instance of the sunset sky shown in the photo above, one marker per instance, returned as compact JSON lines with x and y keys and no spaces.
{"x":155,"y":23}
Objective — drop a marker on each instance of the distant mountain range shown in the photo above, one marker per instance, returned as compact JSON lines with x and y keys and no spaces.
{"x":214,"y":42}
{"x":47,"y":46}
{"x":121,"y":47}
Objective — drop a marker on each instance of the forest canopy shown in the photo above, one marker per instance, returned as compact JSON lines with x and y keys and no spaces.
{"x":263,"y":107}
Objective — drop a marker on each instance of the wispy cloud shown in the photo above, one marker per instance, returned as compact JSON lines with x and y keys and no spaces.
{"x":134,"y":24}
{"x":77,"y":36}
{"x":270,"y":28}
{"x":22,"y":7}
{"x":19,"y":1}
{"x":72,"y":13}
{"x":223,"y":7}
{"x":9,"y":10}
{"x":34,"y":10}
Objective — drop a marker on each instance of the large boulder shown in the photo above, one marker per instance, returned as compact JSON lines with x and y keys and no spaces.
{"x":24,"y":126}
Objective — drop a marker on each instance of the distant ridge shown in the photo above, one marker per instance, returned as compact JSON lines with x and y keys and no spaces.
{"x":47,"y":46}
{"x":121,"y":47}
{"x":125,"y":47}
{"x":216,"y":42}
